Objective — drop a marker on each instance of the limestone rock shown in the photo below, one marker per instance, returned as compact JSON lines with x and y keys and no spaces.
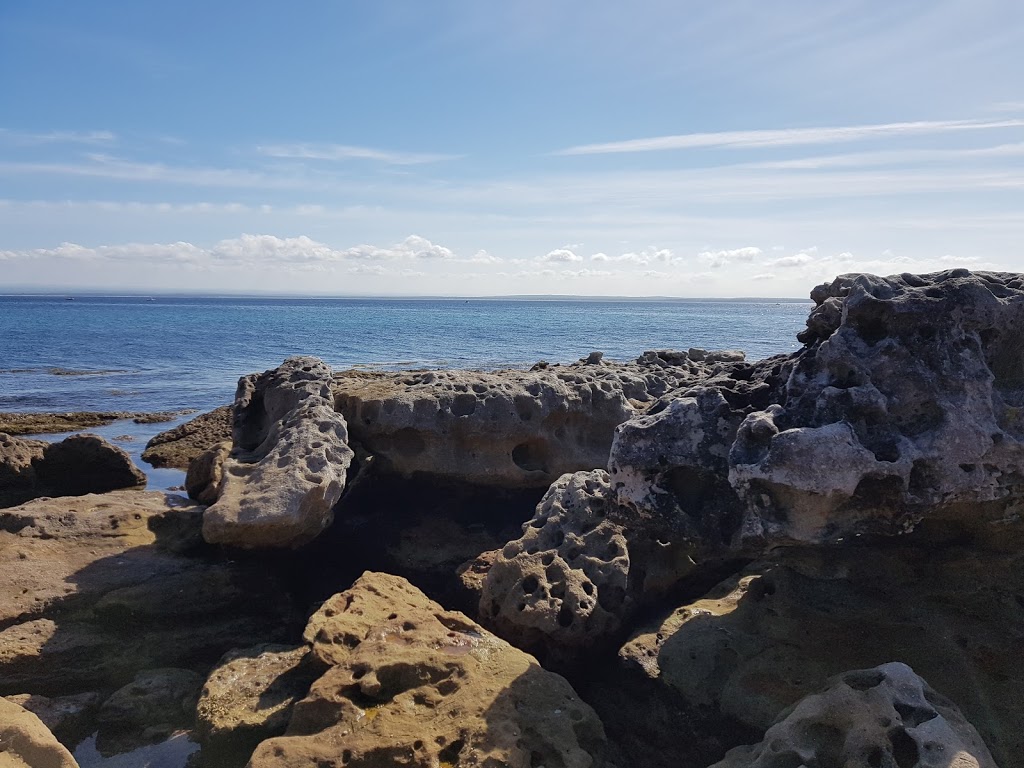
{"x":86,"y":463}
{"x":287,"y":469}
{"x":249,"y":695}
{"x":776,"y":632}
{"x":26,"y":743}
{"x":565,"y":582}
{"x":17,"y":474}
{"x":179,"y":446}
{"x":512,"y":429}
{"x":410,"y":683}
{"x":885,"y":716}
{"x":904,"y":404}
{"x":98,"y":587}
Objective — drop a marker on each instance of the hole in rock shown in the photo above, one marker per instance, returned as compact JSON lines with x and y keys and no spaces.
{"x":862,"y":680}
{"x":904,"y":750}
{"x":530,"y":584}
{"x":913,"y":715}
{"x":565,"y":617}
{"x":531,"y":456}
{"x":463,"y":405}
{"x":450,"y":754}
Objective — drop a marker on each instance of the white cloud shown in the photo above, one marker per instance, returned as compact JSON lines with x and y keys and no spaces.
{"x":718,"y":259}
{"x":57,"y":137}
{"x":560,"y":255}
{"x":337,"y":152}
{"x":250,"y":250}
{"x":643,"y":258}
{"x":482,"y":257}
{"x":787,"y":137}
{"x":796,"y":260}
{"x":763,"y":276}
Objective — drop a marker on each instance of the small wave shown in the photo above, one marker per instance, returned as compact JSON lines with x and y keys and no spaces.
{"x":73,"y":372}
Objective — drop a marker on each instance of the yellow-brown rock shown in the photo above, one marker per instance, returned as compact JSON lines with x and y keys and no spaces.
{"x":412,"y":684}
{"x":26,"y":743}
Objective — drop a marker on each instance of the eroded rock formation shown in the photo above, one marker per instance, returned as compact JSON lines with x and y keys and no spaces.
{"x":26,"y":743}
{"x":512,"y":429}
{"x":179,"y":446}
{"x":413,"y":684}
{"x":288,"y":464}
{"x":885,"y":716}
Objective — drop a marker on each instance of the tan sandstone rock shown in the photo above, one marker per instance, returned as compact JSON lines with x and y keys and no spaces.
{"x":287,"y":468}
{"x":17,"y":475}
{"x":26,"y":743}
{"x":412,"y":684}
{"x":885,"y":716}
{"x":98,"y":587}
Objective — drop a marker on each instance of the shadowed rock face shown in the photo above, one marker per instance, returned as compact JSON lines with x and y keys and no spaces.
{"x":287,"y":468}
{"x":511,"y":429}
{"x":26,"y":743}
{"x":75,"y":466}
{"x":409,"y":683}
{"x":885,"y":716}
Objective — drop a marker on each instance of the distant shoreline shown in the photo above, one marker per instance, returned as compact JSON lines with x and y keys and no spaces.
{"x":62,"y":295}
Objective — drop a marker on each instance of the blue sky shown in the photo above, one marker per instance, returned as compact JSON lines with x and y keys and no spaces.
{"x":473,"y":148}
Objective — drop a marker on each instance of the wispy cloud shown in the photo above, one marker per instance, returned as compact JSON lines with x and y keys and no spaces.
{"x":788,"y":137}
{"x":564,"y":255}
{"x":57,"y":137}
{"x":340,"y":152}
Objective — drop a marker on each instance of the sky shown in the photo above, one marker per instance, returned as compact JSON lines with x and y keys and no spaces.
{"x":468,"y":148}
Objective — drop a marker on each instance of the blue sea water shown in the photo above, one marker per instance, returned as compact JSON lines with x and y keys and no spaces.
{"x":162,"y":353}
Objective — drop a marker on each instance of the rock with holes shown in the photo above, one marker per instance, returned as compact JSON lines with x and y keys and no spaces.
{"x":512,"y":429}
{"x":906,"y":402}
{"x":98,"y":587}
{"x":885,"y":716}
{"x":26,"y":743}
{"x":777,"y":631}
{"x":409,"y":683}
{"x":249,"y":695}
{"x":287,"y":468}
{"x":577,"y":572}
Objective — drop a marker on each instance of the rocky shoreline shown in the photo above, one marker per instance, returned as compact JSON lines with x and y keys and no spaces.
{"x":688,"y":559}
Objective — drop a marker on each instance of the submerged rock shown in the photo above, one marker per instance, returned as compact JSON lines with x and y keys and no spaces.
{"x":410,"y":683}
{"x":886,"y":716}
{"x":288,"y":464}
{"x":26,"y":743}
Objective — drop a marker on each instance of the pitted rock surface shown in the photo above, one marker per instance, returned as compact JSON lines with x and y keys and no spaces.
{"x":249,"y":695}
{"x":907,"y":402}
{"x":885,"y":716}
{"x":412,"y":684}
{"x":513,"y":429}
{"x":574,"y":576}
{"x":776,"y":632}
{"x":287,"y":468}
{"x":99,"y":587}
{"x":26,"y":743}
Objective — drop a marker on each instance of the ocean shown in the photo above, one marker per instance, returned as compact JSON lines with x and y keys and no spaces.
{"x":138,"y":353}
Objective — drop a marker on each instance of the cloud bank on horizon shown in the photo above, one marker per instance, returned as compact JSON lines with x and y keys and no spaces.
{"x":465,"y":149}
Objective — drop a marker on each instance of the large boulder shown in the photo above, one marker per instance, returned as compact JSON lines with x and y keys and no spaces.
{"x":75,"y":466}
{"x":886,"y":716}
{"x":577,"y":574}
{"x":179,"y":446}
{"x":287,"y":468}
{"x":778,"y":630}
{"x":511,"y":429}
{"x":98,"y":587}
{"x":409,"y":683}
{"x":86,"y":463}
{"x":905,"y":404}
{"x":26,"y":743}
